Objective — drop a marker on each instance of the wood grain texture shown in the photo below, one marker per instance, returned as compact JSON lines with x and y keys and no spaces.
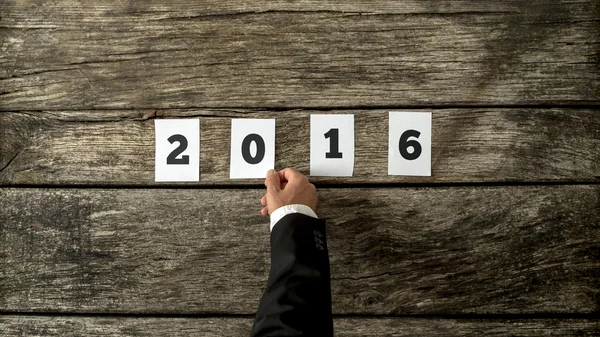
{"x":468,"y":250}
{"x":469,"y":145}
{"x":64,"y":326}
{"x":163,"y":54}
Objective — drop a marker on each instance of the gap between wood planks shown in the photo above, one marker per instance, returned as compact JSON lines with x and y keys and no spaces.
{"x":561,"y":316}
{"x":259,"y":185}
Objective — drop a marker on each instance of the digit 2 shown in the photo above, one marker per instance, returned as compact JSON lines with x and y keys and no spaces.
{"x":260,"y":148}
{"x":405,"y":143}
{"x":172,"y":157}
{"x":334,"y":144}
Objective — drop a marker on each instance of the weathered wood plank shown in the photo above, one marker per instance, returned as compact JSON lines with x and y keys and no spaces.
{"x":162,"y":54}
{"x":65,"y":326}
{"x":40,"y":12}
{"x":469,"y":145}
{"x":393,"y":251}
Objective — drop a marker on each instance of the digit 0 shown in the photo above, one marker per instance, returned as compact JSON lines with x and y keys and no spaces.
{"x":334,"y":144}
{"x":405,"y":144}
{"x":172,"y":157}
{"x":260,"y":149}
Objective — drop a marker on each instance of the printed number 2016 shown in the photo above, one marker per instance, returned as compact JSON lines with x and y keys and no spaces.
{"x":331,"y":146}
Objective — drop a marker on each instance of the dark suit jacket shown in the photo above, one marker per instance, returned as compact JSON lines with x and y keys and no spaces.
{"x":297,"y":300}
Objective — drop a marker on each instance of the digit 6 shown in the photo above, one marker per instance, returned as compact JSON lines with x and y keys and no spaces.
{"x":404,"y":144}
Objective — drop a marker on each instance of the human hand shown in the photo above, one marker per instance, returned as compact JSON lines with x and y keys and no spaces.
{"x":287,"y":187}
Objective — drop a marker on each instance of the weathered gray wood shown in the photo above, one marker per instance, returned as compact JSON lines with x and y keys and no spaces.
{"x":393,"y":251}
{"x":469,"y":145}
{"x":124,"y":54}
{"x":65,"y":326}
{"x":42,"y":13}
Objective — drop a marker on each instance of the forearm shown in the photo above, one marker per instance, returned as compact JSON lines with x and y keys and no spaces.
{"x":297,"y":299}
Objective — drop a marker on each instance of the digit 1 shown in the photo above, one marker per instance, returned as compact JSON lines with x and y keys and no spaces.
{"x":260,"y":149}
{"x":334,"y":144}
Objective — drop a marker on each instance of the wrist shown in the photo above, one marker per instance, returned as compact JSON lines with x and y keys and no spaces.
{"x":282,"y":211}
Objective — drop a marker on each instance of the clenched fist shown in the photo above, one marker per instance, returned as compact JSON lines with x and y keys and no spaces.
{"x":287,"y":187}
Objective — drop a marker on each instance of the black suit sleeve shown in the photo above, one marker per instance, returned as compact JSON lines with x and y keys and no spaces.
{"x":297,"y":300}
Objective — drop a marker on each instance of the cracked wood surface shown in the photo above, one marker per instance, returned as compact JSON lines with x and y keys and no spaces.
{"x":526,"y":251}
{"x":396,"y":251}
{"x":469,"y":145}
{"x":163,"y":54}
{"x":38,"y":326}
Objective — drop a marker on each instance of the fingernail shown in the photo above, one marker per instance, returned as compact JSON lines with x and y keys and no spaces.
{"x":269,"y":172}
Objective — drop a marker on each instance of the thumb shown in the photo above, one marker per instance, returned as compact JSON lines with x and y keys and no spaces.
{"x":272,"y":182}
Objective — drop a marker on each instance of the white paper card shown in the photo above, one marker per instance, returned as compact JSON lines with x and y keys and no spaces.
{"x":332,"y":145}
{"x":177,"y":156}
{"x":252,"y":147}
{"x":410,"y":144}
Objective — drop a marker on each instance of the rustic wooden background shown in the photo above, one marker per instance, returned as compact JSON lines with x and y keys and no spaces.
{"x":503,"y":239}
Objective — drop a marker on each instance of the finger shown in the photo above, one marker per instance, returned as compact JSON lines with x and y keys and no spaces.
{"x":282,"y":175}
{"x":263,"y":200}
{"x":284,"y":184}
{"x":272,"y":181}
{"x":264,"y":211}
{"x":289,"y":174}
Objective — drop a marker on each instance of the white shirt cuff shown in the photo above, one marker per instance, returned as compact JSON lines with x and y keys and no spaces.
{"x":289,"y":209}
